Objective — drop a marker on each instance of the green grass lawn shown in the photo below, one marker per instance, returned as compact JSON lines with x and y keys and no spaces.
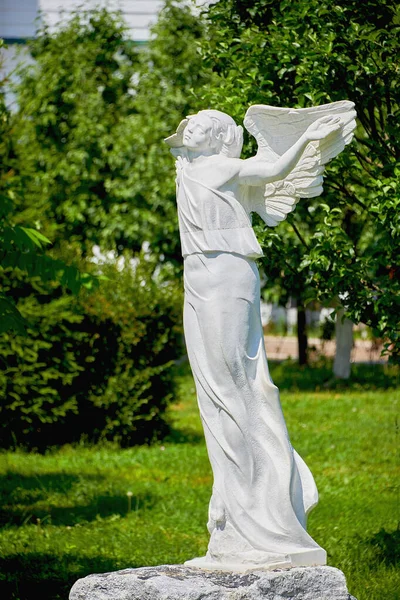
{"x":67,"y":513}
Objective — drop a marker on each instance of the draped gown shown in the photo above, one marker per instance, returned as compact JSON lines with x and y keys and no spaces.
{"x":262,"y":489}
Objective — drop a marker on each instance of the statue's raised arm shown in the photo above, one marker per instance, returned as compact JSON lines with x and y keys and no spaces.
{"x":313,"y":136}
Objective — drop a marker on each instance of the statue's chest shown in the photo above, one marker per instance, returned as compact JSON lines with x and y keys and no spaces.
{"x":205,"y":207}
{"x":215,"y":174}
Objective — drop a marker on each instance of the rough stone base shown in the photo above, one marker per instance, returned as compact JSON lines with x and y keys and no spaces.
{"x":177,"y":582}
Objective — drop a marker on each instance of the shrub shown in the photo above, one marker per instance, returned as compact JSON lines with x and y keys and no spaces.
{"x":98,"y":365}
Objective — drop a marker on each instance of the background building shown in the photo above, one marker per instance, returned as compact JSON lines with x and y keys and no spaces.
{"x":20,"y":19}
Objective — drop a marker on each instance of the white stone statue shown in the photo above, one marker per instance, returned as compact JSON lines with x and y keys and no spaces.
{"x":262,"y":489}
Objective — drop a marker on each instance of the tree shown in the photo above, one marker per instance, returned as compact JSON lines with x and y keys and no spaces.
{"x":344,"y":344}
{"x":93,"y":111}
{"x":295,"y":54}
{"x":86,"y":140}
{"x":20,"y":244}
{"x":72,"y":127}
{"x":171,"y":78}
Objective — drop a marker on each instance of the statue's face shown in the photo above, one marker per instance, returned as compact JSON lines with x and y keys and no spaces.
{"x":198,"y":133}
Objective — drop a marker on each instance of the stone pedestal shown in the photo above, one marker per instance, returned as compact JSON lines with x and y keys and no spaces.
{"x":177,"y":582}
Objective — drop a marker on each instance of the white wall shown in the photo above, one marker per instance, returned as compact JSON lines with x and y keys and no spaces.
{"x":139,"y":15}
{"x":10,"y":57}
{"x":17,"y":17}
{"x":19,"y":20}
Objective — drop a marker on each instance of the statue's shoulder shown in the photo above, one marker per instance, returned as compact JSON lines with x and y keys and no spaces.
{"x":228,"y":164}
{"x":218,"y":170}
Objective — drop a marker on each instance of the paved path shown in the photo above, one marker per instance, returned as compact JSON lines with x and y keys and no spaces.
{"x":279,"y":348}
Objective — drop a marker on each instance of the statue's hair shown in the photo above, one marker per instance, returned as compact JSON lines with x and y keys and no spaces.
{"x":228,"y":135}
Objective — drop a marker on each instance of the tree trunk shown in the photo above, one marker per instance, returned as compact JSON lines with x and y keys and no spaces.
{"x":302,"y":333}
{"x":344,"y":345}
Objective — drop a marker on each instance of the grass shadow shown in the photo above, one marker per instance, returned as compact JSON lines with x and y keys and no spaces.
{"x":386,"y":545}
{"x":47,"y":576}
{"x":102,"y":506}
{"x":20,"y":495}
{"x":184,"y":436}
{"x":289,"y":375}
{"x":34,"y":485}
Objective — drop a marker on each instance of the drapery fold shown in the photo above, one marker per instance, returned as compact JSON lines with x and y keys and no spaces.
{"x":262,"y":488}
{"x":213,"y":220}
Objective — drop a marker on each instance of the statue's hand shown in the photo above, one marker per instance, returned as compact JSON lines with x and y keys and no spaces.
{"x":323,"y":127}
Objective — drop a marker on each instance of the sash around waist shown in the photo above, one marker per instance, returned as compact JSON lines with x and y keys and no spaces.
{"x":240,"y":240}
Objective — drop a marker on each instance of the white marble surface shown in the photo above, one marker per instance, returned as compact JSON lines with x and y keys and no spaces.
{"x":262,"y":489}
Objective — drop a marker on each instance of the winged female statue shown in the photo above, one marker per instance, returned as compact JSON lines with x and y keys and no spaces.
{"x":262,"y":490}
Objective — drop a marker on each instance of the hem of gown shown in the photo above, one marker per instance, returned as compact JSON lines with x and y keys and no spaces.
{"x":307,"y":558}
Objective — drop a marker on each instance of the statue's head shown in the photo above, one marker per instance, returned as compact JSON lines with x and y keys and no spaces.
{"x":209,"y":130}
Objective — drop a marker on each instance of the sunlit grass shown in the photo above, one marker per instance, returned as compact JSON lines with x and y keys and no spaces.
{"x":68,"y":513}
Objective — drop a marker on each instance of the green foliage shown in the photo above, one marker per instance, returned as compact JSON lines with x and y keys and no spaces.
{"x":299,"y":54}
{"x":93,"y":111}
{"x":89,"y":158}
{"x":21,"y":246}
{"x":66,"y":514}
{"x":97,"y":365}
{"x":170,"y":81}
{"x":74,"y":106}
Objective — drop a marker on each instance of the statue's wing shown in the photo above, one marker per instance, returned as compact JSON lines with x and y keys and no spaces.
{"x":276,"y":130}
